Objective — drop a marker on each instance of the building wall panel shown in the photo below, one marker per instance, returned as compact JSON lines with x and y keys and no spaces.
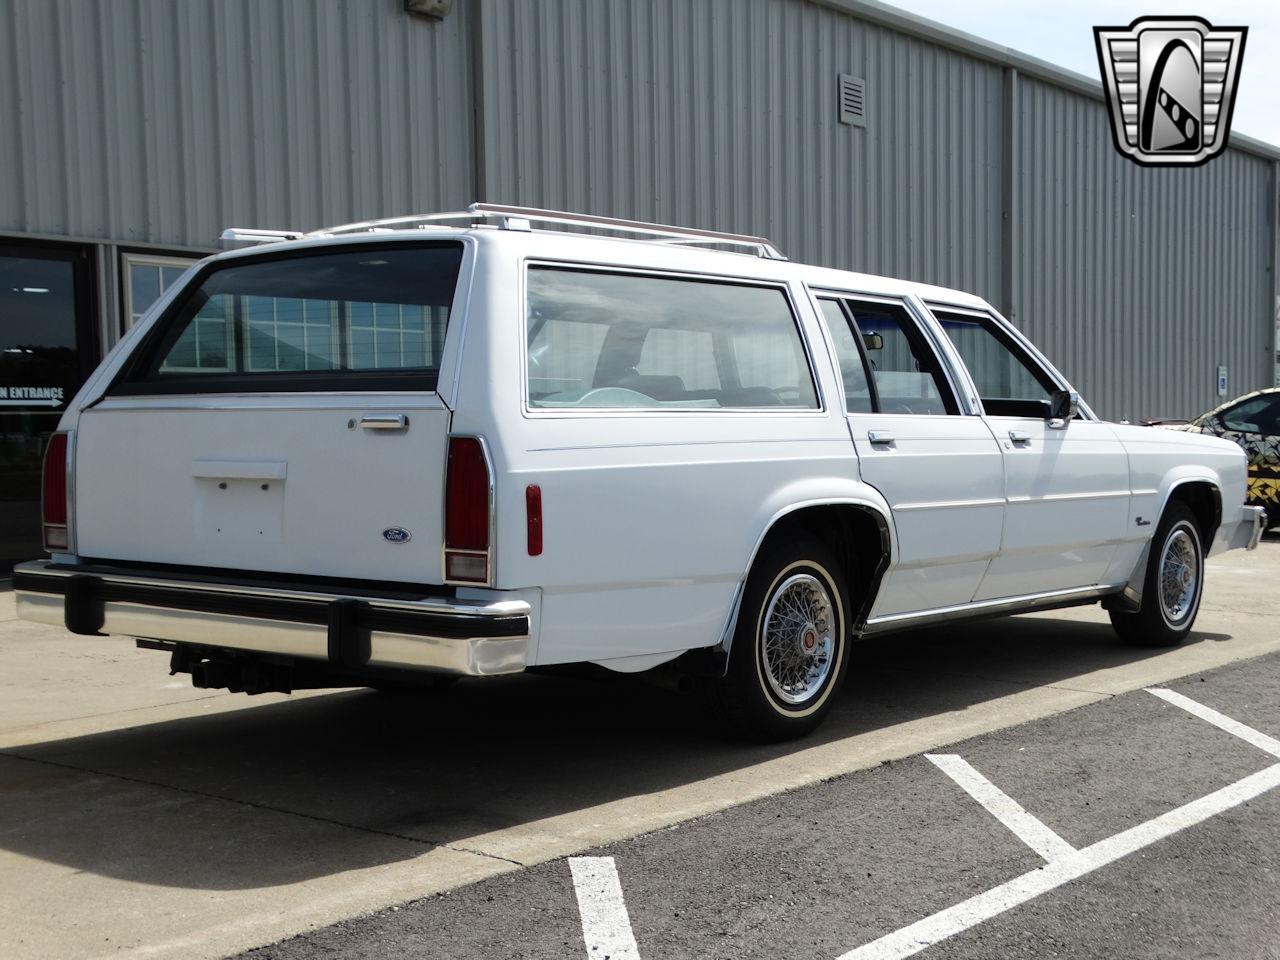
{"x":163,"y":121}
{"x":722,"y":113}
{"x":1138,"y":282}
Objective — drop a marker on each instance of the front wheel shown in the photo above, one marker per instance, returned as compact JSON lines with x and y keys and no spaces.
{"x":789,"y":651}
{"x":1173,"y":585}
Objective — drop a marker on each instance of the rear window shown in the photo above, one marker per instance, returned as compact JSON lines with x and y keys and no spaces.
{"x":367,"y":317}
{"x":657,"y":342}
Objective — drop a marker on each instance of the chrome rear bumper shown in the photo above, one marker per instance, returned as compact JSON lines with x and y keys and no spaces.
{"x":443,"y":635}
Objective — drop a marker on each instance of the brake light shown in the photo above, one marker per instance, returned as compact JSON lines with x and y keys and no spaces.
{"x":54,"y":495}
{"x":466,"y":512}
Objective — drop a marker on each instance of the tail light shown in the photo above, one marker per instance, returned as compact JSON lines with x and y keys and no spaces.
{"x":57,"y":536}
{"x":468,"y":495}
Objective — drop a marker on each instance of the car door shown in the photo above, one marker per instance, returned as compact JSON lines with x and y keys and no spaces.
{"x":1067,"y":483}
{"x":939,"y":468}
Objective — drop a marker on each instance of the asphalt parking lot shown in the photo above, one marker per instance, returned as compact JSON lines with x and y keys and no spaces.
{"x":141,"y":817}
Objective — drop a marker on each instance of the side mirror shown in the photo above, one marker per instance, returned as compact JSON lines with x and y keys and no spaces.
{"x":1063,"y":407}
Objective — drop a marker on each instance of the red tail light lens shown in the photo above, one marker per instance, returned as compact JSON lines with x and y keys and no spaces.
{"x":54,"y":498}
{"x":466,"y":512}
{"x":533,"y":515}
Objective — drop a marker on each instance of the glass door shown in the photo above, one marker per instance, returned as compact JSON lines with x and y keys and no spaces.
{"x":48,"y":346}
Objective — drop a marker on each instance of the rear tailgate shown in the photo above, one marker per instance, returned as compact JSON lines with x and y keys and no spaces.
{"x":281,"y":417}
{"x":247,"y":484}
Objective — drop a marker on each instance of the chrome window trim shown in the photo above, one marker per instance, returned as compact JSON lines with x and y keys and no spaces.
{"x":587,"y":266}
{"x":1030,"y":349}
{"x":915,"y":309}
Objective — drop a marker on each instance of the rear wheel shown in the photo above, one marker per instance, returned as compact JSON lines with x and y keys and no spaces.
{"x":789,"y":648}
{"x":1173,"y":585}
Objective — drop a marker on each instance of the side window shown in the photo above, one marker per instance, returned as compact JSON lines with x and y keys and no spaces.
{"x":906,"y":372}
{"x":1253,"y":416}
{"x":687,"y":354}
{"x":1009,"y":382}
{"x":564,"y":354}
{"x":600,"y":340}
{"x":849,"y":354}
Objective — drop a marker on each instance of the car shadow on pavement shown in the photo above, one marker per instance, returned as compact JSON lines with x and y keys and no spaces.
{"x":281,"y":792}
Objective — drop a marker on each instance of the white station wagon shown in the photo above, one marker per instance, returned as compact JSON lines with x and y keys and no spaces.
{"x":406,"y":450}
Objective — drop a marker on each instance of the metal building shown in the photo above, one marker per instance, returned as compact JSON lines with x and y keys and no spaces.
{"x":851,"y":133}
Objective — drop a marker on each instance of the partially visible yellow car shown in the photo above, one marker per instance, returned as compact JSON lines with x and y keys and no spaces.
{"x":1253,"y":421}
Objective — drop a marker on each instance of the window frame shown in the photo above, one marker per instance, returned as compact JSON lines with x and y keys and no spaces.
{"x":987,"y":323}
{"x":873,"y":390}
{"x":130,"y":258}
{"x":959,"y":399}
{"x":588,"y":266}
{"x":1019,"y":341}
{"x":391,"y":380}
{"x":1273,"y":400}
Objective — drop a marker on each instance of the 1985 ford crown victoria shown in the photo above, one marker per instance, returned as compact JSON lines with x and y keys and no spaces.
{"x":456,"y":445}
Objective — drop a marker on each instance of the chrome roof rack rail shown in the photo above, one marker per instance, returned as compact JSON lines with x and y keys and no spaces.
{"x":245,"y":235}
{"x":520,"y":218}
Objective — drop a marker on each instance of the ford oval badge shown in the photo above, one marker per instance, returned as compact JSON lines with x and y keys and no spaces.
{"x":396,"y":535}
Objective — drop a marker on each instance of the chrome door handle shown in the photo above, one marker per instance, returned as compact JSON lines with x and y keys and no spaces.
{"x":880,"y":436}
{"x":1019,"y":436}
{"x":392,"y":421}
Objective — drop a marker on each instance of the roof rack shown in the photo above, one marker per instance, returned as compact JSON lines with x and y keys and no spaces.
{"x":245,"y":235}
{"x":519,"y":218}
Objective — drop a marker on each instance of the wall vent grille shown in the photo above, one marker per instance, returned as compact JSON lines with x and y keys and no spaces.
{"x":852,"y":95}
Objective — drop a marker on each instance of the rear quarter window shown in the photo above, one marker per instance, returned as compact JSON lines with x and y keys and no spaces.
{"x":371,"y":316}
{"x":606,"y":340}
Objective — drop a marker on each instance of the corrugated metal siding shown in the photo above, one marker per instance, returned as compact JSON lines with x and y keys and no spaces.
{"x":723,"y":113}
{"x":1137,"y":281}
{"x":164,"y":121}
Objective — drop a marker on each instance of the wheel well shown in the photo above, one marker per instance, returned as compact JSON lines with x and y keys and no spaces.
{"x":859,"y":537}
{"x":1205,"y":501}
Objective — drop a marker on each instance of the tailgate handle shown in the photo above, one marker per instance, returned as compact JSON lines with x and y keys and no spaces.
{"x":238,"y":469}
{"x":384,"y":421}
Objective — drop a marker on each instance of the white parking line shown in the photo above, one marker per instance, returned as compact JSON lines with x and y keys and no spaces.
{"x":947,"y":923}
{"x":1260,"y":740}
{"x":606,"y":926}
{"x":1003,"y":807}
{"x":975,"y":910}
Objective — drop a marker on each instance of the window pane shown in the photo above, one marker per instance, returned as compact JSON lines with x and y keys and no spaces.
{"x":622,"y":340}
{"x":375,"y":309}
{"x":686,"y":354}
{"x":1252,"y":416}
{"x":906,"y":370}
{"x":1007,"y":382}
{"x":857,"y":392}
{"x":144,"y":287}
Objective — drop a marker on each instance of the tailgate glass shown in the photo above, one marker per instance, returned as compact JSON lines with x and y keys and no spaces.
{"x":363,"y":317}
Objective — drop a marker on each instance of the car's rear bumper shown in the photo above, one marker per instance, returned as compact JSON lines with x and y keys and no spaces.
{"x":348,"y":630}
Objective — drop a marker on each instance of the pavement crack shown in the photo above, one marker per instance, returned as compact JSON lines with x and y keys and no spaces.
{"x":483,"y":853}
{"x":255,"y":805}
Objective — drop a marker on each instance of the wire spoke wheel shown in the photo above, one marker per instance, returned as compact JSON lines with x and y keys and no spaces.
{"x":1179,"y":576}
{"x":798,"y":640}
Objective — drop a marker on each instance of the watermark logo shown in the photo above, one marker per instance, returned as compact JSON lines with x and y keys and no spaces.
{"x":1171,"y":86}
